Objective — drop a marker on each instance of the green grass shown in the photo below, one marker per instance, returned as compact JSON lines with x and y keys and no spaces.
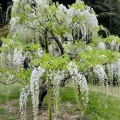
{"x":67,"y":94}
{"x":2,"y":110}
{"x":5,"y":116}
{"x":8,"y":93}
{"x":100,"y":106}
{"x":9,"y":98}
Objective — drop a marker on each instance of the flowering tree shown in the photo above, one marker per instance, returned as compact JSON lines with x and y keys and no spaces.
{"x":48,"y":46}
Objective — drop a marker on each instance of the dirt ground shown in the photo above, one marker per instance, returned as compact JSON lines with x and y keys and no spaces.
{"x":68,"y":112}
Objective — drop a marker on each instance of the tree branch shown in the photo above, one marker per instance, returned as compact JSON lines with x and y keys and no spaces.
{"x":11,"y":82}
{"x":58,"y":43}
{"x":45,"y":41}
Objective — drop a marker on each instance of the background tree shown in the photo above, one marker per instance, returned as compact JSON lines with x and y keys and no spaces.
{"x":5,"y":4}
{"x":108,"y":13}
{"x":65,"y":2}
{"x":5,"y":11}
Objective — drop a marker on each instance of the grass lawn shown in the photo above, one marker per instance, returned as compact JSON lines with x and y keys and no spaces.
{"x":9,"y":101}
{"x":100,"y":106}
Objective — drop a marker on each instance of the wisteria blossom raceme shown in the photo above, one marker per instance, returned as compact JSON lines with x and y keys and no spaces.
{"x":34,"y":88}
{"x":23,"y":100}
{"x":113,"y":72}
{"x":13,"y":23}
{"x":118,"y":71}
{"x":100,"y":74}
{"x":9,"y":57}
{"x":39,"y":2}
{"x":17,"y":57}
{"x":72,"y":68}
{"x":80,"y":80}
{"x":83,"y":31}
{"x":102,"y":45}
{"x":89,"y":23}
{"x":110,"y":71}
{"x":118,"y":47}
{"x":113,"y":44}
{"x":55,"y":78}
{"x":40,"y":52}
{"x":62,"y":8}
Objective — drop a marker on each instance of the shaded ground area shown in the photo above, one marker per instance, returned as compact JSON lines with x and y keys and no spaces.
{"x":12,"y":112}
{"x":9,"y":105}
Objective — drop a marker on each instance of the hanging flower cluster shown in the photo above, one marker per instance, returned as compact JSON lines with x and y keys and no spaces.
{"x":113,"y":72}
{"x":9,"y":57}
{"x":118,"y":70}
{"x":34,"y":88}
{"x":17,"y":57}
{"x":40,"y":52}
{"x":102,"y":45}
{"x":100,"y":74}
{"x":23,"y":100}
{"x":113,"y":43}
{"x":54,"y":78}
{"x":110,"y":71}
{"x":80,"y":80}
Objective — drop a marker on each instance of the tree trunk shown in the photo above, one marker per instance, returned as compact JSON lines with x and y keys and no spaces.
{"x":42,"y":94}
{"x":43,"y":89}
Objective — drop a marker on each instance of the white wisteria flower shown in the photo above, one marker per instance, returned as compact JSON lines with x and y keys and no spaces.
{"x":40,"y":52}
{"x":17,"y":57}
{"x":118,"y":70}
{"x":81,"y":81}
{"x":102,"y":45}
{"x":23,"y":100}
{"x":100,"y":73}
{"x":34,"y":88}
{"x":113,"y":44}
{"x":88,"y":48}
